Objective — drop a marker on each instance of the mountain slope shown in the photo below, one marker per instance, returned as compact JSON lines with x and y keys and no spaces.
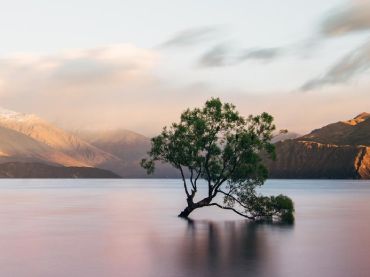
{"x":28,"y":138}
{"x":339,"y":150}
{"x":125,"y":144}
{"x":38,"y":170}
{"x":42,"y":140}
{"x":352,"y":132}
{"x":130,"y":147}
{"x":284,"y":136}
{"x":15,"y":146}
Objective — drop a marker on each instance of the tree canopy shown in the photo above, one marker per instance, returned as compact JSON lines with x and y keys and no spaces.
{"x":217,"y":144}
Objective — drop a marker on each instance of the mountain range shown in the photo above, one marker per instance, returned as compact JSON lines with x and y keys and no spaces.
{"x":129,"y":147}
{"x":32,"y":147}
{"x":339,"y":150}
{"x":26,"y":139}
{"x":40,"y":170}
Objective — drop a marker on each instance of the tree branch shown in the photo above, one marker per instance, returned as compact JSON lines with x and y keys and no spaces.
{"x":191,"y":178}
{"x":183,"y":179}
{"x":210,"y":188}
{"x":220,"y":182}
{"x":196,"y":178}
{"x":236,"y":200}
{"x":232,"y":209}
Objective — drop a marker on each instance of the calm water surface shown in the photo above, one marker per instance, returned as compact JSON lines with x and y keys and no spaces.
{"x":129,"y":228}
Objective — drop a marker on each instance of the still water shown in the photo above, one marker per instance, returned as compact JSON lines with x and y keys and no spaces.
{"x":129,"y":228}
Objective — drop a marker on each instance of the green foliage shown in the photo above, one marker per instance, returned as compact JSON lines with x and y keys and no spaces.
{"x":219,"y":145}
{"x":266,"y":208}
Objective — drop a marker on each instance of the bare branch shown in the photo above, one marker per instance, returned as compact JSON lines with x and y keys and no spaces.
{"x":232,"y":209}
{"x":220,"y":182}
{"x":197,"y":177}
{"x":191,"y":178}
{"x":184,"y":181}
{"x":232,"y":197}
{"x":210,"y":188}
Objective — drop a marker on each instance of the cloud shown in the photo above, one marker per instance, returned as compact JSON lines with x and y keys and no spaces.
{"x":224,"y":55}
{"x":349,"y":19}
{"x":218,"y":55}
{"x":115,"y":86}
{"x":79,"y":71}
{"x":192,"y":36}
{"x":262,"y":54}
{"x":99,"y":87}
{"x":350,"y":66}
{"x":354,"y":17}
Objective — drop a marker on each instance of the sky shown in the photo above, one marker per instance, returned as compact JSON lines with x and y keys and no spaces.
{"x":138,"y":64}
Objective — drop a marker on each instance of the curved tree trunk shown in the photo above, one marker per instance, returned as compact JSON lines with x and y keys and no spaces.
{"x":192,"y":206}
{"x":186,"y":212}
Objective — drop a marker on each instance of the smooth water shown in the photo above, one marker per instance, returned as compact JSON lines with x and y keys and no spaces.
{"x":129,"y":228}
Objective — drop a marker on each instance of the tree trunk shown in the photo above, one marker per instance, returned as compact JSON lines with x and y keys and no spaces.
{"x":192,"y":206}
{"x":185,"y":213}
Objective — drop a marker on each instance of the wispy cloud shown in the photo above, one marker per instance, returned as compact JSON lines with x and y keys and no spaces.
{"x":350,"y":66}
{"x":80,"y":87}
{"x":192,"y":36}
{"x":226,"y":55}
{"x":114,"y":87}
{"x":262,"y":54}
{"x":349,"y":19}
{"x":217,"y":56}
{"x":354,"y":17}
{"x":79,"y":70}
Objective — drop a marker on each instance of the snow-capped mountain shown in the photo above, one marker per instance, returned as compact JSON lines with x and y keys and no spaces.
{"x":26,"y":137}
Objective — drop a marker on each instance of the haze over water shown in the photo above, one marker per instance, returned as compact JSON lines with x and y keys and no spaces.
{"x":130,"y":228}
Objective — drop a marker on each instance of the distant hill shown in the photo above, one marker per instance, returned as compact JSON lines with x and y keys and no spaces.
{"x":285,"y":136}
{"x":131,"y":148}
{"x":340,"y":150}
{"x":28,"y":137}
{"x":352,"y":132}
{"x":38,"y":170}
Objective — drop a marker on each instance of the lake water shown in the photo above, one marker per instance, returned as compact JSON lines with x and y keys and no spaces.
{"x":130,"y":228}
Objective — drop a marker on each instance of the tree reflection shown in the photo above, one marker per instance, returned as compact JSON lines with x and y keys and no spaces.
{"x":227,"y":249}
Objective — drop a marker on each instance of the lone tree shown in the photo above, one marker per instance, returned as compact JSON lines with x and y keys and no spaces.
{"x":217,"y":144}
